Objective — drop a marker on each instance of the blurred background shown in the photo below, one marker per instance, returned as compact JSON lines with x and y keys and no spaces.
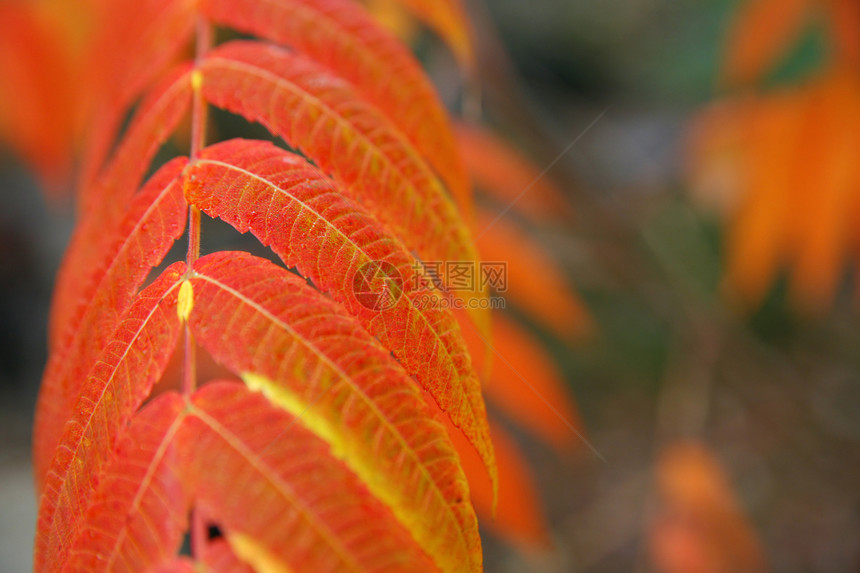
{"x":697,"y":200}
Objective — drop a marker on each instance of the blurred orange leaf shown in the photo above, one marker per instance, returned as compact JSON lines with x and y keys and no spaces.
{"x":448,"y":19}
{"x":519,"y":517}
{"x":786,"y":161}
{"x":845,"y":21}
{"x":393,"y":17}
{"x":36,"y":91}
{"x":761,"y":32}
{"x":699,"y":527}
{"x":535,"y":283}
{"x":507,"y":176}
{"x":525,"y":383}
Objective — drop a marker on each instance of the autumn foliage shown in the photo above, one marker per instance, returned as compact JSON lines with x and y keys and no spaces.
{"x":338,"y":400}
{"x":780,"y":161}
{"x":337,"y":435}
{"x":699,"y":527}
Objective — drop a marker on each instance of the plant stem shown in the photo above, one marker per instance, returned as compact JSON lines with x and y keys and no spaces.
{"x":199,"y":533}
{"x":199,"y":115}
{"x":198,"y":140}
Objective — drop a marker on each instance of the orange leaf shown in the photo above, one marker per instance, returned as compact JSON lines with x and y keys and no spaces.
{"x":714,"y":149}
{"x":825,"y":190}
{"x":526,"y":385}
{"x":757,"y":238}
{"x":310,"y":512}
{"x":311,"y":225}
{"x":761,"y":32}
{"x":103,"y":204}
{"x":155,"y":219}
{"x":519,"y":517}
{"x":323,"y":116}
{"x":535,"y":282}
{"x":845,"y":22}
{"x":392,"y":16}
{"x":699,"y":528}
{"x":508,"y":177}
{"x":138,"y":514}
{"x":342,"y":37}
{"x":789,"y":157}
{"x":449,"y":20}
{"x":116,"y":386}
{"x":136,"y":42}
{"x":37,"y":95}
{"x":297,"y":347}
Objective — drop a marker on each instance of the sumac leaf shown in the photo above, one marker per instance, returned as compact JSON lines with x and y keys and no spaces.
{"x":115,"y":387}
{"x":342,"y":37}
{"x":155,"y":219}
{"x":310,"y":223}
{"x":310,"y":512}
{"x":139,"y":512}
{"x":300,"y":349}
{"x":322,"y":115}
{"x":533,"y":281}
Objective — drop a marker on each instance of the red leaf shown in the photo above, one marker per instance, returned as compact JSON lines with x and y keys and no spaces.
{"x":153,"y":123}
{"x":323,"y":116}
{"x":136,"y":42}
{"x":311,"y":225}
{"x":309,"y":511}
{"x":115,"y":387}
{"x":155,"y":219}
{"x":138,"y":515}
{"x":104,"y":203}
{"x":302,"y":351}
{"x":339,"y":35}
{"x":37,"y":95}
{"x":339,"y":455}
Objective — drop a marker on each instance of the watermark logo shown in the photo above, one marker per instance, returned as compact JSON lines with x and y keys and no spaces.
{"x":438,"y":301}
{"x":377,"y":285}
{"x":461,"y":276}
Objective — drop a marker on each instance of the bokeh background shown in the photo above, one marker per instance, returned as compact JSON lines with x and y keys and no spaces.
{"x":724,"y":425}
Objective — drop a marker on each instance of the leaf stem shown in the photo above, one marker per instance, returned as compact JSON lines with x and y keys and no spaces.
{"x":198,"y":140}
{"x":199,"y":118}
